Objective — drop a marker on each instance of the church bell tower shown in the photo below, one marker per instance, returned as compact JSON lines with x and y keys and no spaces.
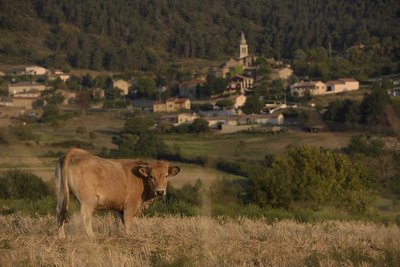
{"x":244,"y":49}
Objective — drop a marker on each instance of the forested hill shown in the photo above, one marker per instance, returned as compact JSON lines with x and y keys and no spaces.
{"x":141,"y":34}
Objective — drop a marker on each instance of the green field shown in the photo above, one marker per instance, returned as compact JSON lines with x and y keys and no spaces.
{"x":253,"y":147}
{"x":30,"y":155}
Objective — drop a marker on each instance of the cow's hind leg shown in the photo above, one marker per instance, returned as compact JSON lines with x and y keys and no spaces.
{"x":60,"y":223}
{"x":86,"y":214}
{"x":62,"y":213}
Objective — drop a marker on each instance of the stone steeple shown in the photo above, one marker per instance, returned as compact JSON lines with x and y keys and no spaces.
{"x":244,"y":50}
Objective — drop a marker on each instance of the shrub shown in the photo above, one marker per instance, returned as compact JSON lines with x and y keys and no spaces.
{"x":145,"y":145}
{"x":184,"y":201}
{"x":365,"y":145}
{"x":80,"y":130}
{"x":138,"y":125}
{"x":16,"y":184}
{"x":4,"y":135}
{"x":314,"y":176}
{"x":92,"y":135}
{"x":50,"y":113}
{"x":162,"y":207}
{"x":199,"y":125}
{"x":22,"y":132}
{"x":183,"y":128}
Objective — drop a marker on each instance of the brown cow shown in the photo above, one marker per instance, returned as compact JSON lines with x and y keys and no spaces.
{"x":126,"y":186}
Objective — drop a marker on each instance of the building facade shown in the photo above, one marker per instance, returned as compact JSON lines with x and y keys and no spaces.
{"x":342,"y":85}
{"x":171,"y":105}
{"x":122,"y":85}
{"x":313,"y":87}
{"x":23,"y":87}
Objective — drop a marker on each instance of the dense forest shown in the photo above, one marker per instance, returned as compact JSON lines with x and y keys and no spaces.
{"x":122,"y":35}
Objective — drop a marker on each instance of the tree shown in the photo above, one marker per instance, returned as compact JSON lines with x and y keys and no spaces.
{"x":214,"y":86}
{"x":347,"y":111}
{"x":150,"y":145}
{"x":54,"y":98}
{"x":311,"y":175}
{"x":50,"y":113}
{"x":57,"y":84}
{"x":113,"y":93}
{"x":224,"y":103}
{"x":199,"y":125}
{"x":264,"y":68}
{"x":138,"y":125}
{"x":253,"y":105}
{"x":366,"y":145}
{"x":126,"y":144}
{"x":146,"y":87}
{"x":83,"y":100}
{"x":373,"y":105}
{"x":74,"y":83}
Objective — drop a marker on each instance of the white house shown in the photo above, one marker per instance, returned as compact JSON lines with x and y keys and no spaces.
{"x":320,"y":88}
{"x":283,"y":73}
{"x":25,"y":100}
{"x":342,"y":85}
{"x":58,"y":74}
{"x":35,"y":70}
{"x":122,"y":85}
{"x":177,"y":119}
{"x":255,"y":119}
{"x":186,"y":117}
{"x":238,"y":100}
{"x":21,"y":87}
{"x":313,"y":87}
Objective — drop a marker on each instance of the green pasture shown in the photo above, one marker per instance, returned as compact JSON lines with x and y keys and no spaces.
{"x":251,"y":146}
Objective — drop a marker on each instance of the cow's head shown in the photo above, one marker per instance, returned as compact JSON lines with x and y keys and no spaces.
{"x":156,"y":176}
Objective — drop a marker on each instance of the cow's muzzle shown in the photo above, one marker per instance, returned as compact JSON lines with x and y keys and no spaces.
{"x":160,"y":192}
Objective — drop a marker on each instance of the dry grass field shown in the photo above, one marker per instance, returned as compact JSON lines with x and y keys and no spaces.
{"x":198,"y":241}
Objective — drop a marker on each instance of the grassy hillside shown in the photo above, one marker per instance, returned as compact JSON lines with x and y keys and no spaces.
{"x":124,"y":35}
{"x":198,"y":241}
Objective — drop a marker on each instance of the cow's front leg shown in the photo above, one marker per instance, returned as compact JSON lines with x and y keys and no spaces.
{"x":128,"y":220}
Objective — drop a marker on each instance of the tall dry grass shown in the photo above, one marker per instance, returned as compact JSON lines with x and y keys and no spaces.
{"x":197,"y":241}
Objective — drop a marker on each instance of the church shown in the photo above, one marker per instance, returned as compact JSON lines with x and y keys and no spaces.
{"x":245,"y":58}
{"x":244,"y":63}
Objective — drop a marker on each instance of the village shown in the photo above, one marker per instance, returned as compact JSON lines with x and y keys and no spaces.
{"x":29,"y":88}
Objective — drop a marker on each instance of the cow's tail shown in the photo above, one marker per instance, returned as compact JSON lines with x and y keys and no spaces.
{"x":62,"y":191}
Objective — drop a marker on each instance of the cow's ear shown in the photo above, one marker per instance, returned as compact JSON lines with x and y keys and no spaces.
{"x":141,"y":171}
{"x":173,"y":170}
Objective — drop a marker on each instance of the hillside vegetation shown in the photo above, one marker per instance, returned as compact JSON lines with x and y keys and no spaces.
{"x":124,"y":35}
{"x":198,"y":241}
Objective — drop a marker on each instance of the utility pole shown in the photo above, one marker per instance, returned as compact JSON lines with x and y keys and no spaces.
{"x":284,"y":94}
{"x":330,"y":49}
